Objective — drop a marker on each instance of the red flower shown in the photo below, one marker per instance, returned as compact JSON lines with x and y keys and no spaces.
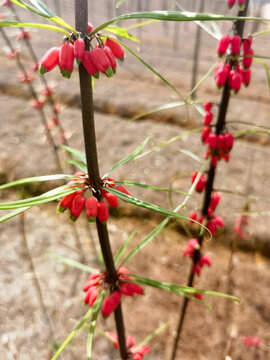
{"x":116,"y":48}
{"x":101,"y":61}
{"x":235,"y":45}
{"x":91,"y":206}
{"x":251,"y":341}
{"x":66,"y":59}
{"x":77,"y":207}
{"x":89,"y":66}
{"x":223,"y":45}
{"x":79,"y":48}
{"x":49,"y":60}
{"x":102,"y":211}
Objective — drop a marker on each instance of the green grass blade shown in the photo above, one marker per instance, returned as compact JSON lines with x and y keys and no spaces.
{"x":191,"y":155}
{"x":122,"y":32}
{"x":149,"y":22}
{"x":72,"y":334}
{"x":151,"y":336}
{"x":129,"y":157}
{"x":43,"y":10}
{"x":51,"y":195}
{"x":76,"y":153}
{"x":160,"y":108}
{"x":148,"y":66}
{"x":79,"y":164}
{"x":72,"y":263}
{"x":13,"y":213}
{"x":202,"y":80}
{"x":162,"y":225}
{"x":4,"y":23}
{"x":36,"y":179}
{"x":175,"y":16}
{"x":93,"y":323}
{"x":144,"y":186}
{"x":123,"y":248}
{"x":266,"y":71}
{"x":170,"y":141}
{"x":179,"y":289}
{"x":119,"y":3}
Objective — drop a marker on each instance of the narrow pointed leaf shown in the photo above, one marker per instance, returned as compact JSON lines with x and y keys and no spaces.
{"x":179,"y":289}
{"x":122,"y":32}
{"x":93,"y":323}
{"x":79,"y":164}
{"x":144,"y":186}
{"x":13,"y":213}
{"x":129,"y":157}
{"x":36,"y":179}
{"x":54,"y":194}
{"x":148,"y":66}
{"x":4,"y":23}
{"x":76,"y":153}
{"x":123,"y":248}
{"x":43,"y":8}
{"x":160,"y":108}
{"x":72,"y":334}
{"x":72,"y":263}
{"x":175,"y":16}
{"x":135,"y":26}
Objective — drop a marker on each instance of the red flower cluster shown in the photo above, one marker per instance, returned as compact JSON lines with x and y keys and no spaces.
{"x":99,"y":59}
{"x":241,"y":3}
{"x":201,"y":182}
{"x":190,"y":250}
{"x":123,"y":286}
{"x":251,"y":341}
{"x":240,"y":222}
{"x":213,"y":221}
{"x":133,"y":351}
{"x":76,"y":201}
{"x":23,"y":34}
{"x":219,"y":146}
{"x":236,"y":68}
{"x":26,"y":78}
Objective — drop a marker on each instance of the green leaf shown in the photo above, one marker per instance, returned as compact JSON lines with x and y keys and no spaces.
{"x":36,"y":179}
{"x":44,"y":198}
{"x":76,"y":153}
{"x":149,"y":22}
{"x":123,"y":248}
{"x":23,"y":24}
{"x":159,"y":108}
{"x":93,"y":323}
{"x":170,"y":141}
{"x":162,"y":225}
{"x":151,"y":336}
{"x":148,"y":66}
{"x":190,"y":154}
{"x":72,"y":263}
{"x":202,"y":80}
{"x":175,"y":16}
{"x":13,"y":213}
{"x":72,"y":334}
{"x":119,"y":3}
{"x":122,"y":32}
{"x":151,"y":187}
{"x":266,"y":71}
{"x":79,"y":164}
{"x":179,"y":289}
{"x":44,"y":11}
{"x":129,"y":157}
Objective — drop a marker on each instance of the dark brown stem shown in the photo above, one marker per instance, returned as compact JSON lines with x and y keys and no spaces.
{"x":223,"y":107}
{"x":81,"y":16}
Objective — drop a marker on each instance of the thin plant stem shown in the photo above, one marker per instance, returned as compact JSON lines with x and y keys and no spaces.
{"x":81,"y":17}
{"x":238,"y":28}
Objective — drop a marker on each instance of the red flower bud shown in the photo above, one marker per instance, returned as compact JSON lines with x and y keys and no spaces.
{"x":79,"y":48}
{"x":123,"y":190}
{"x":212,"y":141}
{"x":111,"y":303}
{"x":111,"y":198}
{"x":248,"y":58}
{"x":221,"y":74}
{"x":49,"y":60}
{"x":208,"y":117}
{"x":116,"y":48}
{"x":214,"y":161}
{"x":66,"y":202}
{"x":111,"y":57}
{"x":77,"y":207}
{"x":215,"y":199}
{"x":101,"y":61}
{"x":91,"y":206}
{"x":228,"y":142}
{"x":246,"y":76}
{"x":205,"y":133}
{"x":223,"y":44}
{"x":90,"y":28}
{"x":207,"y":106}
{"x":66,"y":59}
{"x":89,"y":66}
{"x":247,"y":42}
{"x":230,"y":3}
{"x":235,"y":80}
{"x":193,"y":216}
{"x":235,"y":45}
{"x":102,"y":211}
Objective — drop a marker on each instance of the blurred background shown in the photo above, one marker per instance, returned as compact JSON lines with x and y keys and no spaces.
{"x":41,"y":299}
